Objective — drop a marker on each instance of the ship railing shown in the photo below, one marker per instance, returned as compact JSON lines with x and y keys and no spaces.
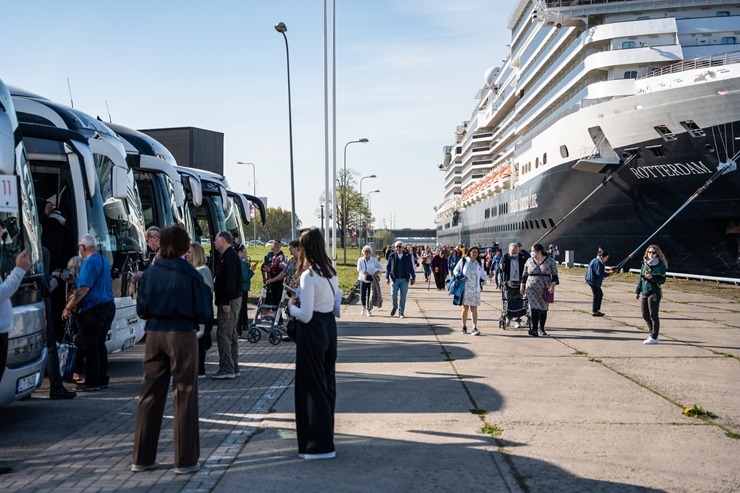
{"x":696,"y":277}
{"x":678,"y":275}
{"x":703,"y":62}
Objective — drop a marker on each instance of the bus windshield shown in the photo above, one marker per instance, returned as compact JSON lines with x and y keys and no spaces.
{"x":116,"y":224}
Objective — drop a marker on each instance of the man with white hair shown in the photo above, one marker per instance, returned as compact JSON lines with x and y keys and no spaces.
{"x":93,"y":299}
{"x":400,"y":268}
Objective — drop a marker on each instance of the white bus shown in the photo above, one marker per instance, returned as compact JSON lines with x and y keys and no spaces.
{"x":160,"y":186}
{"x":19,"y":225}
{"x":81,"y":163}
{"x":220,"y":209}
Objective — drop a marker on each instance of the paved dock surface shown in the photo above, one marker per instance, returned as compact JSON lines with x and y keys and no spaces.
{"x":421,"y":407}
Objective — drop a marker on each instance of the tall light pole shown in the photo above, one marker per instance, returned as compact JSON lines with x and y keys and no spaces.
{"x":282,"y":29}
{"x":364,"y":178}
{"x":254,"y":192}
{"x":368,"y":203}
{"x":344,"y":196}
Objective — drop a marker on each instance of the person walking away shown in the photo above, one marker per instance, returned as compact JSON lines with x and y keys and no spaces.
{"x":540,"y":274}
{"x":196,"y":256}
{"x":649,"y":290}
{"x":56,"y":387}
{"x":440,"y":269}
{"x":93,"y":302}
{"x":511,"y":268}
{"x":247,"y":274}
{"x":228,"y":290}
{"x":171,"y":351}
{"x":453,"y":259}
{"x":595,"y":274}
{"x":402,"y":271}
{"x":316,"y":349}
{"x":426,"y":262}
{"x":495,"y":268}
{"x":367,"y":267}
{"x":471,"y":268}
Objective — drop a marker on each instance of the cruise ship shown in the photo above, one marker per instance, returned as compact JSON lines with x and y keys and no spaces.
{"x":607,"y":124}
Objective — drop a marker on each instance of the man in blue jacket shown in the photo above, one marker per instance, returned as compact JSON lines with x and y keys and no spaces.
{"x":400,"y":268}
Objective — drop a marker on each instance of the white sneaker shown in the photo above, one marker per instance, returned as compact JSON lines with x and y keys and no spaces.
{"x":369,"y":313}
{"x":362,"y":312}
{"x":650,"y":340}
{"x":517,"y":325}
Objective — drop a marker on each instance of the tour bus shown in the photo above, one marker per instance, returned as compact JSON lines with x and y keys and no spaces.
{"x":94,"y":191}
{"x":160,"y":185}
{"x":19,"y":230}
{"x":220,"y":209}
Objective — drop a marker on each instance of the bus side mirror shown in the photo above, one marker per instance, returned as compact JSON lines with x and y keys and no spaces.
{"x":120,"y":182}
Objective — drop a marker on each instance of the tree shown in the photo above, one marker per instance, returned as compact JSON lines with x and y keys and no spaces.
{"x":277,"y":224}
{"x":357,"y":211}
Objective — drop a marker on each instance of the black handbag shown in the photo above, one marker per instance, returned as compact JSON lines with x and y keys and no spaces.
{"x":291,"y":328}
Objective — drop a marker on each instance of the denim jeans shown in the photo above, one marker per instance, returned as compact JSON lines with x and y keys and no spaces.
{"x":403,"y":286}
{"x":598,"y":296}
{"x":365,"y":294}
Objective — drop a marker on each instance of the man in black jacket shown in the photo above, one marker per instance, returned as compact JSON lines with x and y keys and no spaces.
{"x":228,"y":290}
{"x":401,"y":269}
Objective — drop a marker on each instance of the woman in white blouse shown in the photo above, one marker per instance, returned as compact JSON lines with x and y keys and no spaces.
{"x":316,"y":349}
{"x":473,"y":271}
{"x":367,"y":266}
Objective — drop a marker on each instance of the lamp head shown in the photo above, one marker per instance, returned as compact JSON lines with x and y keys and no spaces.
{"x":281,"y":27}
{"x":363,"y":140}
{"x":373,"y":176}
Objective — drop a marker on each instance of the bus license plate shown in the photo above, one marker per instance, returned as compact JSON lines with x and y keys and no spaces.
{"x":26,"y":383}
{"x":128,"y":342}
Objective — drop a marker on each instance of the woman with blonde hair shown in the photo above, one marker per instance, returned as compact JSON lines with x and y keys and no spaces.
{"x":648,"y":289}
{"x":197,"y":258}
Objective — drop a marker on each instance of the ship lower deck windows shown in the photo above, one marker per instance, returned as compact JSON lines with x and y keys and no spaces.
{"x":630,"y":74}
{"x":656,"y":150}
{"x":544,"y":159}
{"x":564,"y":151}
{"x":692,"y":128}
{"x":552,"y":223}
{"x":729,"y":40}
{"x":665,"y":132}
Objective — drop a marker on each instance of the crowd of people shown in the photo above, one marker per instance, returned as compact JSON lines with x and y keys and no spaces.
{"x":179,"y":334}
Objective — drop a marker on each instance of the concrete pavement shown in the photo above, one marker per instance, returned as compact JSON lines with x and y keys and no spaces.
{"x":421,"y":407}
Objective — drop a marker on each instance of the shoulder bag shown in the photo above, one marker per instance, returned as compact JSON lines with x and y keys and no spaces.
{"x":546,"y":294}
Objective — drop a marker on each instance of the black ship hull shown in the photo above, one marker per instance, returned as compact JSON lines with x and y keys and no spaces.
{"x":623,"y":214}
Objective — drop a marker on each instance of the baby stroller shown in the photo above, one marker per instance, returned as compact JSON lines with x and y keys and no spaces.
{"x":514,"y":306}
{"x":273,"y":326}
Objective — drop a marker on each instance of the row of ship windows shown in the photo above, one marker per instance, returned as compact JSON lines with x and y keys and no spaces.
{"x":517,"y":226}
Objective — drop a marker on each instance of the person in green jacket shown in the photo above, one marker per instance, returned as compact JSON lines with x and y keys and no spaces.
{"x":648,"y":289}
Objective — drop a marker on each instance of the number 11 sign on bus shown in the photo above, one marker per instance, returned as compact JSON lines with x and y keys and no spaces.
{"x":9,"y":194}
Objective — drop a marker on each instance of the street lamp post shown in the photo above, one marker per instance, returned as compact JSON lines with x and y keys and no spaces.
{"x":254,"y":192}
{"x":364,"y":178}
{"x":368,"y":204}
{"x":344,"y":197}
{"x":282,"y":29}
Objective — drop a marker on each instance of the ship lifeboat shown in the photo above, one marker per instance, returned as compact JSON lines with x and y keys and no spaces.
{"x":506,"y":178}
{"x":497,"y":181}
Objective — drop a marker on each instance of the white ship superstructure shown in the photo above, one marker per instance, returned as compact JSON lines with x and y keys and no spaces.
{"x":648,"y":91}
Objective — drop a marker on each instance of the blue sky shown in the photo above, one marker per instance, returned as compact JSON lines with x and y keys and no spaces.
{"x":407,"y":74}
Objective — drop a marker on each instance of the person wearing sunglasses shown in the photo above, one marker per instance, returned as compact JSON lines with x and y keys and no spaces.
{"x":649,"y":290}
